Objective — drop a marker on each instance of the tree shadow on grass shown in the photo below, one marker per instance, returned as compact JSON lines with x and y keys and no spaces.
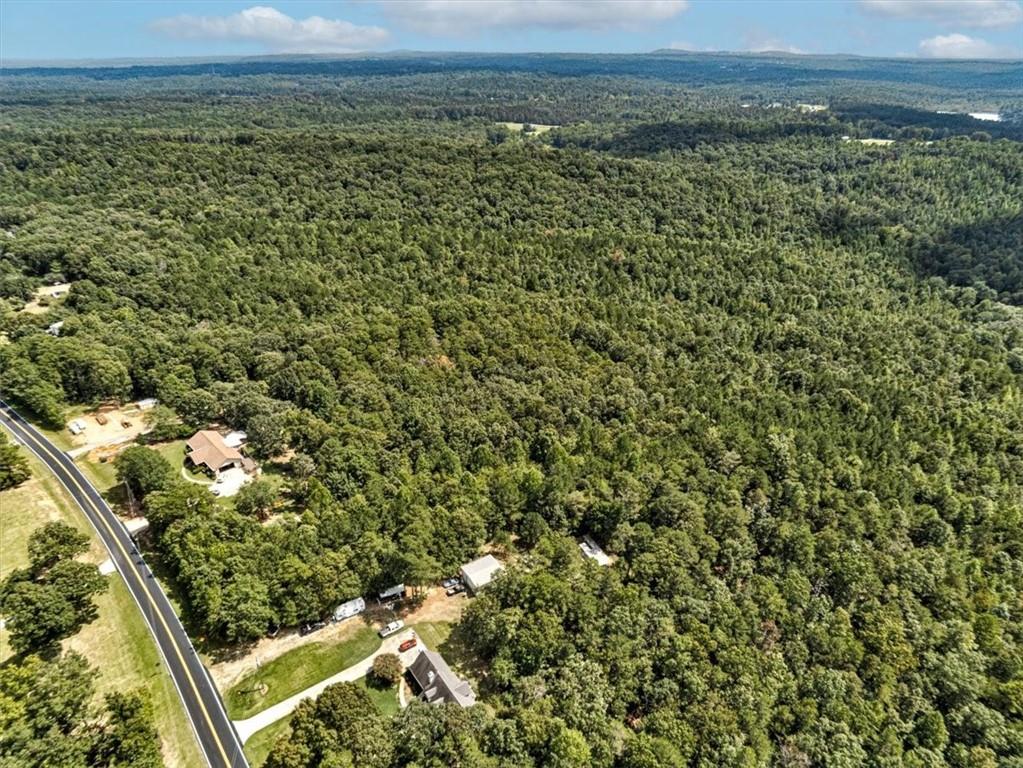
{"x":460,"y":655}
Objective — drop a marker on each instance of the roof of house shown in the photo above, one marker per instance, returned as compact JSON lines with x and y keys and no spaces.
{"x":208,"y":448}
{"x":481,"y":570}
{"x":593,"y":551}
{"x":438,"y":682}
{"x":396,"y":591}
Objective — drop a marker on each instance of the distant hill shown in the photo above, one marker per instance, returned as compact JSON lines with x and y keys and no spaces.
{"x":668,"y":65}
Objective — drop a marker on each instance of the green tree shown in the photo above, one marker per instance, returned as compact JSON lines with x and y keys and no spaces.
{"x":127,"y":736}
{"x":53,"y":542}
{"x":37,"y":616}
{"x":267,"y":436}
{"x":245,"y":610}
{"x":387,"y":669}
{"x":257,"y":499}
{"x":13,"y":465}
{"x":144,"y":470}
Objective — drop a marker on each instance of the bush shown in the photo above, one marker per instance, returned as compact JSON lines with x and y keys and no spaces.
{"x":387,"y":669}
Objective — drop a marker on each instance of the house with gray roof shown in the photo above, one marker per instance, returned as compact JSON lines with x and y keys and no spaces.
{"x":438,"y":684}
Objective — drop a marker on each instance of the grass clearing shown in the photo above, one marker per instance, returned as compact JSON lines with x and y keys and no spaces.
{"x":174,"y":452}
{"x":385,"y":699}
{"x":37,"y":501}
{"x":102,"y":474}
{"x":258,"y":747}
{"x":433,"y":633}
{"x":118,"y":642}
{"x":295,"y":671}
{"x":451,"y":642}
{"x":538,"y":128}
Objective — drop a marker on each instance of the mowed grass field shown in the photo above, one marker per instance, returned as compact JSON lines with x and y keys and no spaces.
{"x":118,"y":643}
{"x":261,"y":742}
{"x":295,"y":671}
{"x":385,"y":699}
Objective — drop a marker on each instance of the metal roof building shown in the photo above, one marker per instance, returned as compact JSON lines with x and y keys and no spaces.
{"x":438,"y":683}
{"x":480,"y":572}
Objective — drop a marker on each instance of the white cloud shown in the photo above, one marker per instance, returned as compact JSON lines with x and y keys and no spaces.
{"x":683,"y":45}
{"x":758,"y":42}
{"x":951,"y":13}
{"x":458,"y":17}
{"x":960,"y":46}
{"x":277,"y":31}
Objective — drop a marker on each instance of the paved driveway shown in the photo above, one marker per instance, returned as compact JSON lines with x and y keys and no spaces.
{"x":229,"y":482}
{"x":350,"y":674}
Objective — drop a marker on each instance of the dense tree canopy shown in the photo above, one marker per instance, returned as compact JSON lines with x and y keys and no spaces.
{"x":13,"y":465}
{"x":774,"y":372}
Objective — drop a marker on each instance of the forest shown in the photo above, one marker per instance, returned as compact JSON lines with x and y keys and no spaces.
{"x":773,"y":368}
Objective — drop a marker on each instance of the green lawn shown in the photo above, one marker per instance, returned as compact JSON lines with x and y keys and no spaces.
{"x":261,"y":742}
{"x":451,"y":642}
{"x":385,"y":699}
{"x":174,"y":452}
{"x":433,"y":633}
{"x":102,"y":474}
{"x":295,"y":671}
{"x":118,"y":642}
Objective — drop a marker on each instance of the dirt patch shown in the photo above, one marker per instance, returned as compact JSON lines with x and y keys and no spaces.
{"x":46,"y":297}
{"x":106,"y":429}
{"x":437,"y":606}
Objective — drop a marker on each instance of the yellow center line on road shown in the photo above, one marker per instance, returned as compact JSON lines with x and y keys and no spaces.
{"x":99,"y":513}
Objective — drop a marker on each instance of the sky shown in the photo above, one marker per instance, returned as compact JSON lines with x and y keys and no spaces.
{"x":104,"y":29}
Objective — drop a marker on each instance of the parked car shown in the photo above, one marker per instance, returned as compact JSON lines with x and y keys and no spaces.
{"x":448,"y":583}
{"x":391,"y":628}
{"x":310,"y":627}
{"x":458,"y":589}
{"x":410,"y":643}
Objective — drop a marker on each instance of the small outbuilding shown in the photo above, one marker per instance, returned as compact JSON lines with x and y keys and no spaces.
{"x":594,"y":552}
{"x":480,"y":572}
{"x":437,"y":683}
{"x":392,"y":593}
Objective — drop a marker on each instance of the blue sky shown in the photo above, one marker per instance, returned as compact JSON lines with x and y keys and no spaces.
{"x":77,"y":29}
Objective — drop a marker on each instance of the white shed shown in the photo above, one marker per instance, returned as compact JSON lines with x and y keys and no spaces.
{"x":480,"y":572}
{"x":593,"y":551}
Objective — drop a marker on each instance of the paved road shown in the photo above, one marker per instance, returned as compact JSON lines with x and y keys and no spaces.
{"x":270,"y":715}
{"x":216,"y":736}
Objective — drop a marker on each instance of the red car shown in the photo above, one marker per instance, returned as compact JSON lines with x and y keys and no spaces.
{"x":410,"y":643}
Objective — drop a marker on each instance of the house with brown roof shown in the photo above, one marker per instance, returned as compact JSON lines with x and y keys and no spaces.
{"x":437,"y":683}
{"x":207,"y":450}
